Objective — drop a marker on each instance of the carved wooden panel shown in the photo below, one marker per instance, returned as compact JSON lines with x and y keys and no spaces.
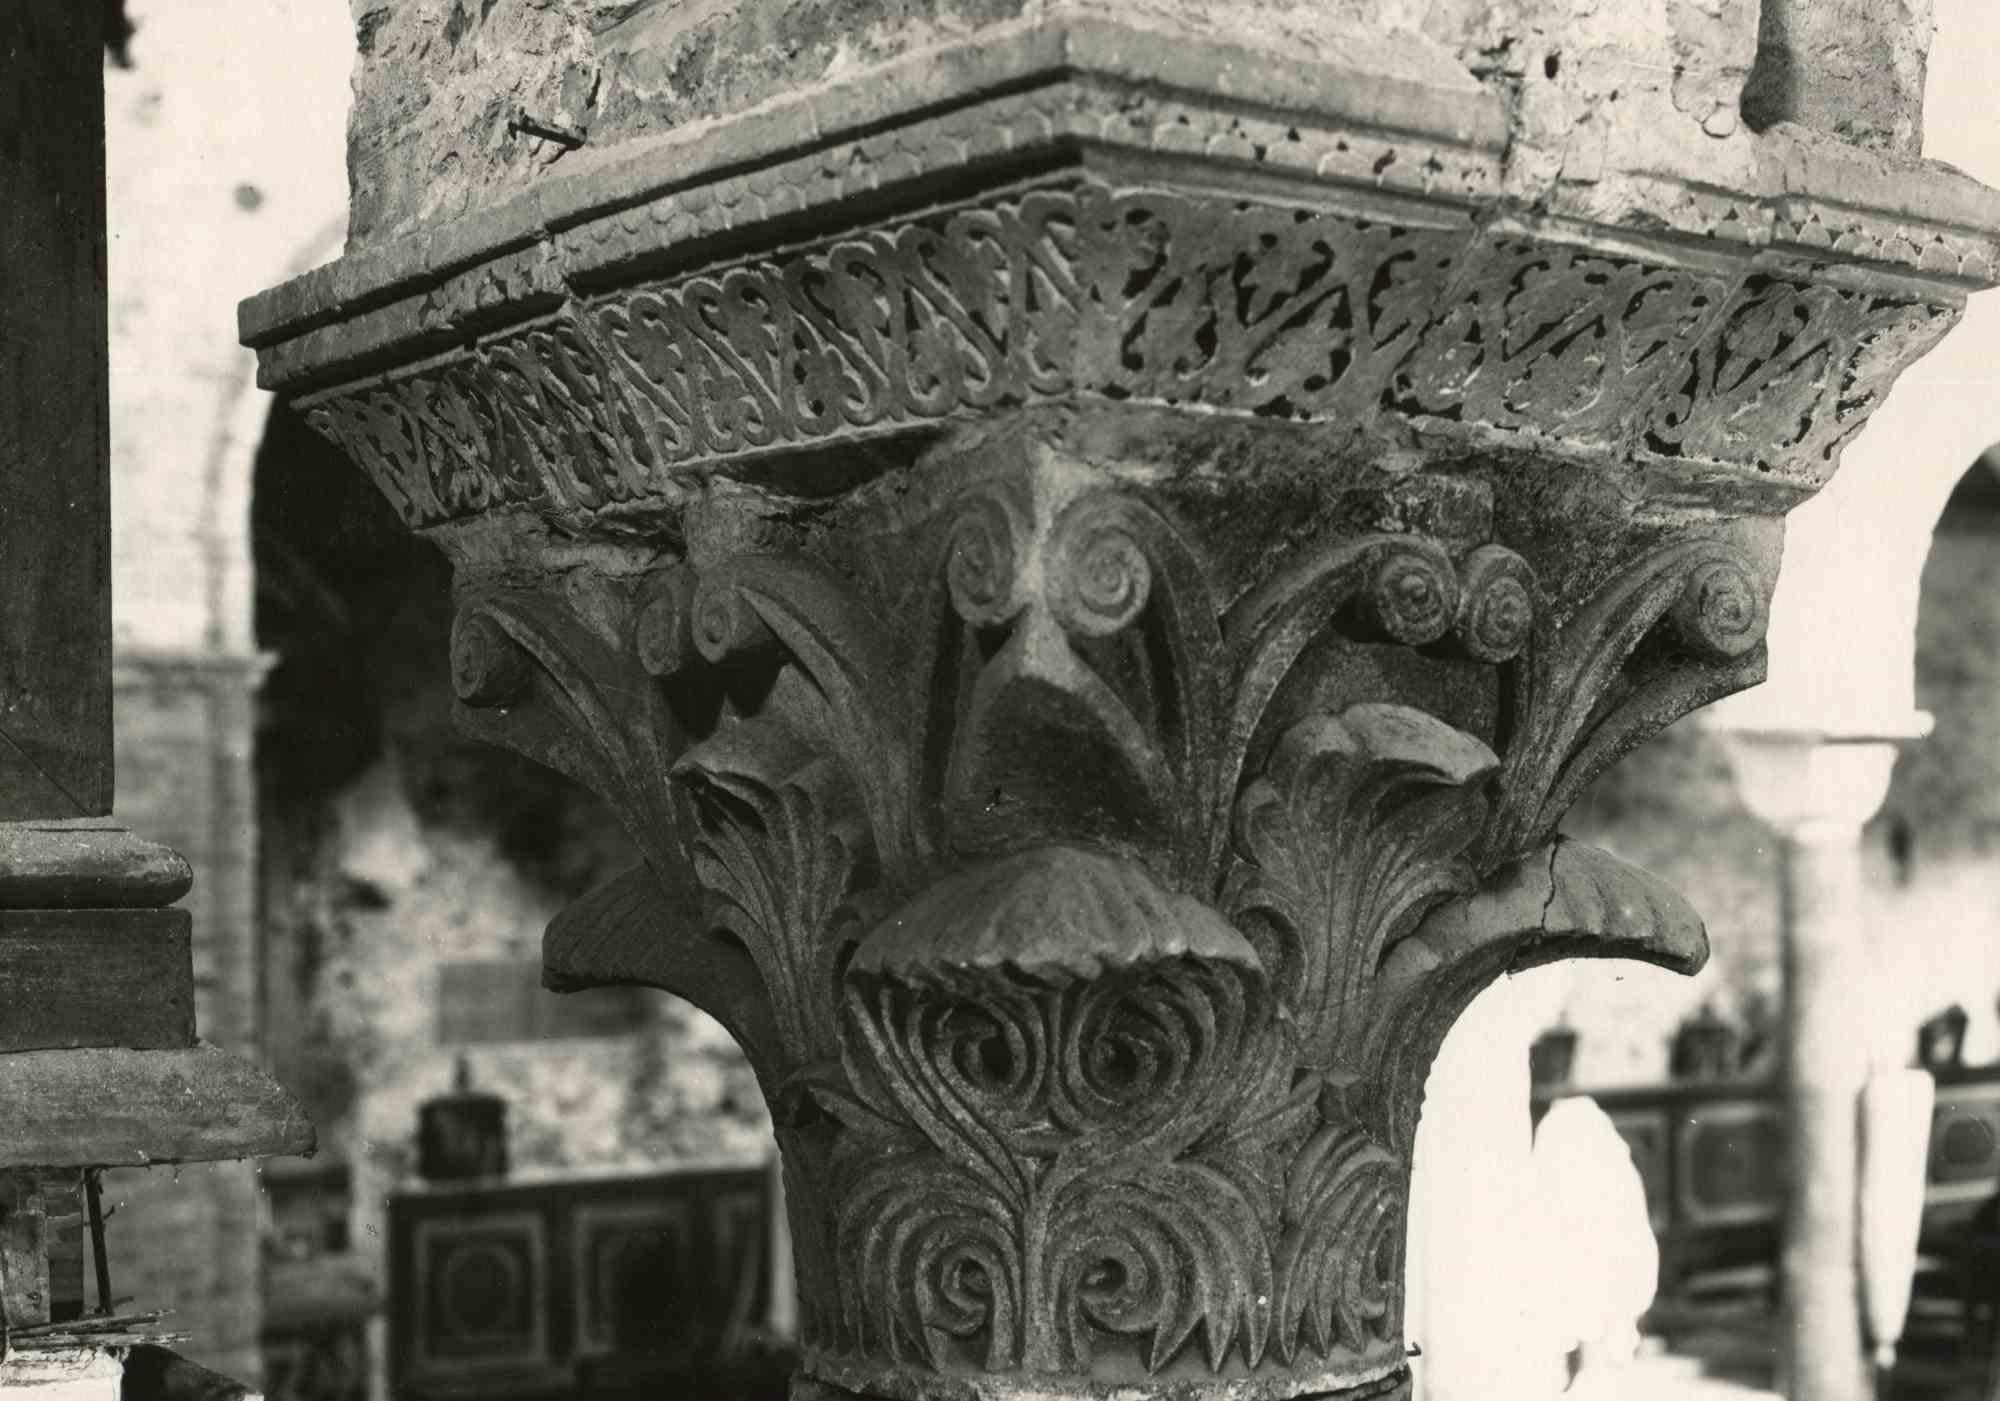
{"x":1731,"y":1164}
{"x":537,"y":1287}
{"x":1963,"y":1165}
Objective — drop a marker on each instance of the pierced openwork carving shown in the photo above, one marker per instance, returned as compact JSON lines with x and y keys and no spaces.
{"x":1080,"y":291}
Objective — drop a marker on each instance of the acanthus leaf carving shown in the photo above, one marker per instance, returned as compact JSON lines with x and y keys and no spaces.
{"x":779,"y":844}
{"x":631,"y":931}
{"x":1399,"y":587}
{"x":1093,"y":599}
{"x":1593,"y":689}
{"x":1071,"y":1097}
{"x":1340,"y":1259}
{"x":1360,"y":822}
{"x":1058,"y":1032}
{"x":833,"y":682}
{"x":1565,"y":900}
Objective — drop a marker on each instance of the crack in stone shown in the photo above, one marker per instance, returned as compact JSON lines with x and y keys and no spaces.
{"x":1549,"y":900}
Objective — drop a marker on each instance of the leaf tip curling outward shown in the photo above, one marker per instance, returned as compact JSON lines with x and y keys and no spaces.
{"x":1054,"y":913}
{"x":1566,"y":900}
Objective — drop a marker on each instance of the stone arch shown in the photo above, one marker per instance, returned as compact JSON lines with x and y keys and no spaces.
{"x":238,"y":427}
{"x":1843,"y":624}
{"x":1941,"y":818}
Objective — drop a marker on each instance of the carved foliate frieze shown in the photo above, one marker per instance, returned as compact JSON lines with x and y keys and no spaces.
{"x":1080,"y":291}
{"x":1276,"y":311}
{"x":1790,"y":373}
{"x":1080,"y":944}
{"x":624,"y":397}
{"x":1552,"y":338}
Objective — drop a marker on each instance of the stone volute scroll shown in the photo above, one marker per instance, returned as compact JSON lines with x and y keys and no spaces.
{"x":1092,"y":583}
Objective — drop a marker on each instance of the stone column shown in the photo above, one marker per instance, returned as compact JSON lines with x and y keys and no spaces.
{"x":1091,"y":558}
{"x":1816,"y":792}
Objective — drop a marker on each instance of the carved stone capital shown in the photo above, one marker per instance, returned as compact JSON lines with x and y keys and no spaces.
{"x":1090,"y":886}
{"x":1093,"y":605}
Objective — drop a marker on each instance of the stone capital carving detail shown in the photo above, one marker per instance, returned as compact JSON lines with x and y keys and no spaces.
{"x":1093,"y":600}
{"x":1092,"y":910}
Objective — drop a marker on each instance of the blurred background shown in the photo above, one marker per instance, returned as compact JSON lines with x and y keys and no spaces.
{"x":579,"y":1186}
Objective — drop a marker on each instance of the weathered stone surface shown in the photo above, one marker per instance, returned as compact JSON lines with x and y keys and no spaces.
{"x":1852,"y":68}
{"x":1093,"y":292}
{"x":442,"y":83}
{"x":117,"y":1108}
{"x":1096,"y":563}
{"x":88,"y":863}
{"x":459,"y":104}
{"x":1167,"y":807}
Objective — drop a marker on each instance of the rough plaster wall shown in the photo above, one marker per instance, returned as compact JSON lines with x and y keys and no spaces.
{"x":675,"y":1092}
{"x":223,"y":175}
{"x":1597,"y":87}
{"x":393,"y":845}
{"x":1854,"y":68}
{"x":188,"y":1240}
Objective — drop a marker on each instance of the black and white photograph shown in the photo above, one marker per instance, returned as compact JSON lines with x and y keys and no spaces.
{"x":999,"y":700}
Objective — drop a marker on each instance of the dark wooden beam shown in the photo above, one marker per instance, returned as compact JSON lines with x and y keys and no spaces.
{"x":55,"y":539}
{"x":122,"y":1108}
{"x":95,"y":978}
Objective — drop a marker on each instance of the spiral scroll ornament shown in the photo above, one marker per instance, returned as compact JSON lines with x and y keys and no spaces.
{"x":1046,"y":1204}
{"x":1413,"y":596}
{"x":1102,"y":577}
{"x":1721,"y":612}
{"x":725,"y":624}
{"x":1045,"y":1102}
{"x":1103,"y":1091}
{"x":982,"y":564}
{"x":1496,"y":613}
{"x":488,"y":668}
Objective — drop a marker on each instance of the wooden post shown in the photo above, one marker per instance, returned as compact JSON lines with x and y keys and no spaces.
{"x":55,"y":532}
{"x":98,"y":1058}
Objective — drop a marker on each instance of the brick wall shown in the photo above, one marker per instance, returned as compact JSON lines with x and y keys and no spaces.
{"x":187,"y":1239}
{"x":208,"y":199}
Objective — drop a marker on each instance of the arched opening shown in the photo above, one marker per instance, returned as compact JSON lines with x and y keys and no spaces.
{"x":406,"y":875}
{"x":1687,"y":1070}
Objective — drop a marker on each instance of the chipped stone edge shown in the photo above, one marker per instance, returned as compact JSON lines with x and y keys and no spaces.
{"x":1047,"y":90}
{"x":909,"y":91}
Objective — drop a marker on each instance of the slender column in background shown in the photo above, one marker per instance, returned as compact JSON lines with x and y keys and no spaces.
{"x":1816,"y":792}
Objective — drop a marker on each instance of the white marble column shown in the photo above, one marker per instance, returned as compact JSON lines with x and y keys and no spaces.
{"x":1816,"y":791}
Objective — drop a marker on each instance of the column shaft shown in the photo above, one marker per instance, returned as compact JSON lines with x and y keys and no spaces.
{"x":1826,"y":1063}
